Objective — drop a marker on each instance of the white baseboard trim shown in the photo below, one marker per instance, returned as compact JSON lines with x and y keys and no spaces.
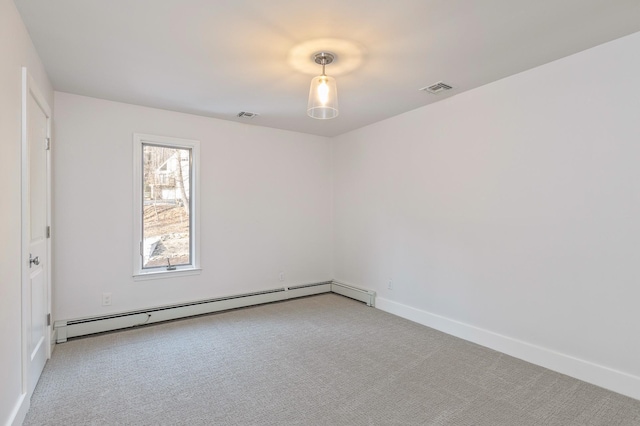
{"x":17,"y":416}
{"x":599,"y":375}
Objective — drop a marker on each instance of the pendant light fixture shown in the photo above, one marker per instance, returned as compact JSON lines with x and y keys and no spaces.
{"x":323,"y":94}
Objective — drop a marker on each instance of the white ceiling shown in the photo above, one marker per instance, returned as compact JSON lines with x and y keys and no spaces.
{"x":217,"y":58}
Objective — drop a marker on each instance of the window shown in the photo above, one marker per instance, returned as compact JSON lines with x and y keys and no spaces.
{"x":166,"y":239}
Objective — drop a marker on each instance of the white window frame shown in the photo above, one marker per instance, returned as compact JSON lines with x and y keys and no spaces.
{"x":139,"y":273}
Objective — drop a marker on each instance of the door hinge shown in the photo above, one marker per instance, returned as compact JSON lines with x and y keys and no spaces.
{"x":47,"y":144}
{"x":48,"y":232}
{"x":141,"y":253}
{"x":48,"y":319}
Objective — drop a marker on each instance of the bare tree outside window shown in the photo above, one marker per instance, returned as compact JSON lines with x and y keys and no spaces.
{"x":166,"y":224}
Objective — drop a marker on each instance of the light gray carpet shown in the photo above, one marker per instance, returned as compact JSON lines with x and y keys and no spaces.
{"x":321,"y":360}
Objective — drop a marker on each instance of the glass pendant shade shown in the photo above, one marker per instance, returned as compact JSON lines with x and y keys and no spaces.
{"x":323,"y":98}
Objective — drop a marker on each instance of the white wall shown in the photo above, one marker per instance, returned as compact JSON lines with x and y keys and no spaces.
{"x":265,"y":207}
{"x":509,"y":214}
{"x":16,"y":51}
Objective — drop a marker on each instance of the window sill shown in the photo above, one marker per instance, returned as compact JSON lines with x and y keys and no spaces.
{"x":157,"y":275}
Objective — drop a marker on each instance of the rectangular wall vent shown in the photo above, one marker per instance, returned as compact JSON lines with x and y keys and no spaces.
{"x":437,"y":87}
{"x":246,"y":114}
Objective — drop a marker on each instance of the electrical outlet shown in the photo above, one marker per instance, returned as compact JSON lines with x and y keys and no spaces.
{"x":390,"y":285}
{"x":106,"y":299}
{"x":281,"y":276}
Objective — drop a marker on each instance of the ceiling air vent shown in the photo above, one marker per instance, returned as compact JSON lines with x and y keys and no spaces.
{"x":245,"y":114}
{"x":437,"y":88}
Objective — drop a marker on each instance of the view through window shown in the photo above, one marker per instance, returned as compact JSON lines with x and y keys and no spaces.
{"x":166,"y":219}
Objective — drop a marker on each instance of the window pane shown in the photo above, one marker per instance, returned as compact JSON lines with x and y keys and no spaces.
{"x":166,"y":224}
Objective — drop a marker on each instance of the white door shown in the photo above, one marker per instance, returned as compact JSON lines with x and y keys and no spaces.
{"x":35,"y":192}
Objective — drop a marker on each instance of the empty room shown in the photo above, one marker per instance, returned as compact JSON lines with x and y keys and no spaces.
{"x":418,"y":212}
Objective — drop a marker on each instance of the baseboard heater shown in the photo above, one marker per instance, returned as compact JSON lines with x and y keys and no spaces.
{"x":86,"y":326}
{"x":366,"y":296}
